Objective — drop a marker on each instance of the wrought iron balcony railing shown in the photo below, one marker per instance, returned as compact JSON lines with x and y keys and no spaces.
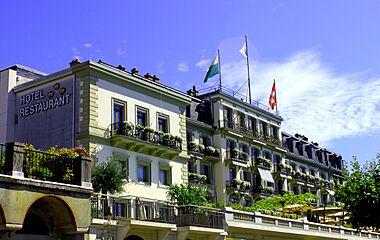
{"x":146,"y":134}
{"x":237,"y":156}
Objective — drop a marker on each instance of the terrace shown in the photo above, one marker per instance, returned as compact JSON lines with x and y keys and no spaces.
{"x":238,"y":221}
{"x":153,"y":211}
{"x":17,"y":161}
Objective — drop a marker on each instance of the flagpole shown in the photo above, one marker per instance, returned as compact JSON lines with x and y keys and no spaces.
{"x":249,"y":78}
{"x":220,"y":72}
{"x":275,"y":89}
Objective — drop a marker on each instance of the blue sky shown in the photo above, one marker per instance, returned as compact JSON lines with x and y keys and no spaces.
{"x":325,"y":55}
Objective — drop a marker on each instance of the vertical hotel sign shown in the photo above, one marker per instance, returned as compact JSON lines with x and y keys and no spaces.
{"x":43,"y":100}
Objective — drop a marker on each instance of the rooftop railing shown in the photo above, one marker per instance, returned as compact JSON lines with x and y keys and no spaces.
{"x":238,"y":96}
{"x":227,"y":124}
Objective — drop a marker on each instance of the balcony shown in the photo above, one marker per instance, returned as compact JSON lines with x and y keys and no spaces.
{"x":283,"y":169}
{"x":145,"y":140}
{"x":263,"y":162}
{"x":133,"y":208}
{"x":249,"y":133}
{"x":237,"y":156}
{"x":191,"y":215}
{"x":123,"y":208}
{"x":200,"y":151}
{"x":20,"y":162}
{"x":237,"y":185}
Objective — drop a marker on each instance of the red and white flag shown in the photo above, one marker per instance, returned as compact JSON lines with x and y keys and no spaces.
{"x":272,"y":97}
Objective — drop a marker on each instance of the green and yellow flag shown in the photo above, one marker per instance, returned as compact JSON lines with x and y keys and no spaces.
{"x":213,"y":69}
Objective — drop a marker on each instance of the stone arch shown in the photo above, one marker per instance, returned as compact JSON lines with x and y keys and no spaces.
{"x":48,"y":216}
{"x":134,"y":237}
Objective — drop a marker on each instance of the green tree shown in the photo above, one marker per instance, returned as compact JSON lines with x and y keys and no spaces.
{"x":360,"y":193}
{"x":108,"y":177}
{"x":187,"y":194}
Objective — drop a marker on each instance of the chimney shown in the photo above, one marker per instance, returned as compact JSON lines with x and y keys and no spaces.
{"x":135,"y":71}
{"x":121,"y":67}
{"x":193,"y":92}
{"x":74,"y":62}
{"x":156,"y":79}
{"x":148,"y":76}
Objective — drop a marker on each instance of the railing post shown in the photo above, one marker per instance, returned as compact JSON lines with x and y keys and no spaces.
{"x":14,"y":159}
{"x":341,"y":230}
{"x":85,"y":171}
{"x":258,"y":218}
{"x":305,"y":224}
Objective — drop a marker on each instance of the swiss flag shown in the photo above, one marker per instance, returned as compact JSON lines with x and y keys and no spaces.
{"x":272,"y":97}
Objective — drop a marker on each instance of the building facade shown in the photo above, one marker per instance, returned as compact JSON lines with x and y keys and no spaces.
{"x":161,"y":136}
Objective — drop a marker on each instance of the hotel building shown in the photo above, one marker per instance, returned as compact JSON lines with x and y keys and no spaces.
{"x":160,"y":136}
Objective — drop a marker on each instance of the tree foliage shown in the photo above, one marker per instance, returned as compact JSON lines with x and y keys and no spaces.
{"x":108,"y":177}
{"x":187,"y":194}
{"x":360,"y":193}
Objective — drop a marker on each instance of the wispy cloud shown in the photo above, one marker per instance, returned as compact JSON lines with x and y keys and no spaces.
{"x":203,"y":63}
{"x":120,"y":52}
{"x":160,"y":67}
{"x":183,"y":67}
{"x":87,"y":45}
{"x":76,"y":53}
{"x":313,"y":98}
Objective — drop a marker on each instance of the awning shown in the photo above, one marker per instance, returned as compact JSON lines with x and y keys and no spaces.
{"x":332,"y":193}
{"x":266,"y":175}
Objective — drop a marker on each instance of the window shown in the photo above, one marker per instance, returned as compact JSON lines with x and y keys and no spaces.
{"x":232,"y":174}
{"x":241,"y":120}
{"x":142,"y":117}
{"x":244,"y":148}
{"x":206,"y":170}
{"x":268,"y":155}
{"x":309,"y":151}
{"x":122,"y":160}
{"x":165,"y":175}
{"x":252,"y":124}
{"x":312,"y":172}
{"x":227,"y":114}
{"x":189,"y":136}
{"x":143,"y":172}
{"x":190,"y":167}
{"x":230,"y":145}
{"x":119,"y":117}
{"x":275,"y":132}
{"x":162,"y":124}
{"x":264,"y":128}
{"x":323,"y":176}
{"x":205,"y":140}
{"x":277,"y":159}
{"x":247,"y":176}
{"x":299,"y":148}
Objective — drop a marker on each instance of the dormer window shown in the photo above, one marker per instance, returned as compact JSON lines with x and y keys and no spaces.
{"x":299,"y":148}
